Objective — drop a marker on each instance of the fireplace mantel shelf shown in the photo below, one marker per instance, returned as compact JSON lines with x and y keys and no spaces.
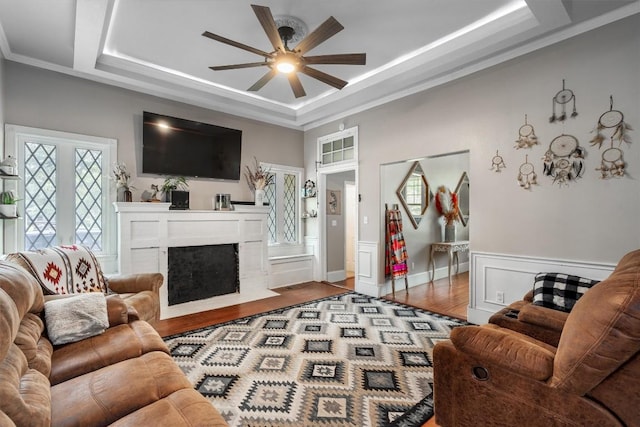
{"x":147,"y":230}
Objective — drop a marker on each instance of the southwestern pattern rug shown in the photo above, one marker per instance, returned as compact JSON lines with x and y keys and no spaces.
{"x":346,"y":360}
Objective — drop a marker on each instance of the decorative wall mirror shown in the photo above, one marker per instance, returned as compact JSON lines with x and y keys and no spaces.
{"x":462,"y":190}
{"x":414,"y":194}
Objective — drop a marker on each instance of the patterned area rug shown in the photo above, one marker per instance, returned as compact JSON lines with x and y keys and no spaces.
{"x":346,"y":360}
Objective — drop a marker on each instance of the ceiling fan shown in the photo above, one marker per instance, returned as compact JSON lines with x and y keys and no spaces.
{"x":291,"y":61}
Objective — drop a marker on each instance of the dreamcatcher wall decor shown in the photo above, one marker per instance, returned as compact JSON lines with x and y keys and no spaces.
{"x":526,"y":136}
{"x":497,"y":162}
{"x":526,"y":174}
{"x":612,"y":164}
{"x":562,"y":98}
{"x":564,"y":160}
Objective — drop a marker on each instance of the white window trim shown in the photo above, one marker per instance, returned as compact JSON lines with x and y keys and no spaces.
{"x":16,"y":135}
{"x":299,"y":172}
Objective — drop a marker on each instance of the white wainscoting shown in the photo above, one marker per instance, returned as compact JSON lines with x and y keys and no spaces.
{"x":367,"y":274}
{"x":147,"y":230}
{"x":291,"y":264}
{"x":513,"y":276}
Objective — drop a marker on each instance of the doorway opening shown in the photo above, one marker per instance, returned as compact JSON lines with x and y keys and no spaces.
{"x":339,"y":226}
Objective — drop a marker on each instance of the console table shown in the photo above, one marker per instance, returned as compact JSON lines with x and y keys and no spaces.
{"x":452,"y":249}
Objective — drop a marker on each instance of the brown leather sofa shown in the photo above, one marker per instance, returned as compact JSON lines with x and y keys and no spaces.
{"x":122,"y":377}
{"x":499,"y":376}
{"x":139,"y":291}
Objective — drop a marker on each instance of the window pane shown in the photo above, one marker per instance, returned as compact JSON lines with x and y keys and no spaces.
{"x":88,"y":200}
{"x":270,"y":197}
{"x":348,"y":142}
{"x":326,"y":147}
{"x":326,"y":158}
{"x":290,"y":198}
{"x":337,"y":145}
{"x":337,"y":156}
{"x":348,"y":154}
{"x":40,"y":195}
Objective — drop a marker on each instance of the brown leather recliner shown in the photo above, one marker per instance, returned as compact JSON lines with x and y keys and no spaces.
{"x":491,"y":375}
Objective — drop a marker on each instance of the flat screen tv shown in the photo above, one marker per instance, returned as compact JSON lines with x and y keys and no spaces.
{"x":179,"y":147}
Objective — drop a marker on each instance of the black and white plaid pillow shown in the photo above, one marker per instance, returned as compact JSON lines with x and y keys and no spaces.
{"x":559,"y":291}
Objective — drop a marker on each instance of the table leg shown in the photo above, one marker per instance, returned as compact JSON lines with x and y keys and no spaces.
{"x":450,"y":252}
{"x":455,"y":254}
{"x":433,"y":265}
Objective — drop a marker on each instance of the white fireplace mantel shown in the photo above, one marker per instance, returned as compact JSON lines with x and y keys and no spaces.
{"x":147,"y":230}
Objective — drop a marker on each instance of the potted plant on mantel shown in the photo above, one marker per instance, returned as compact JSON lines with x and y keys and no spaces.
{"x":175,"y":192}
{"x":8,"y":206}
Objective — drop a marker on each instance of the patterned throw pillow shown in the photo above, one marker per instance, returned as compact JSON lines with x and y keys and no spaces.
{"x":559,"y":291}
{"x":66,"y":269}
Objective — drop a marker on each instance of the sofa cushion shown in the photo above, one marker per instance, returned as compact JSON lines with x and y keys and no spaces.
{"x":63,"y":269}
{"x":73,"y":319}
{"x":101,"y":397}
{"x":559,"y":291}
{"x":118,"y":343}
{"x":183,"y":407}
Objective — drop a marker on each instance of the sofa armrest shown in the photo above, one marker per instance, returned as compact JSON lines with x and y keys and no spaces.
{"x":519,"y":353}
{"x":133,"y":283}
{"x":117,"y":310}
{"x":543,"y":316}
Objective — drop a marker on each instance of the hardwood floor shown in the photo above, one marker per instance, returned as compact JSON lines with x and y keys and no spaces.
{"x":438,"y":296}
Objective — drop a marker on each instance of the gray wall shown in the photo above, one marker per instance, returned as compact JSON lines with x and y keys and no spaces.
{"x":49,"y":100}
{"x":590,"y":220}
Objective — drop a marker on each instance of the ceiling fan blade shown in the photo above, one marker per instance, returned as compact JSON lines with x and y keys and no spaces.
{"x":327,"y":29}
{"x":343,"y":59}
{"x":263,"y":81}
{"x":296,"y":85}
{"x":236,"y":44}
{"x":236,"y":66}
{"x":324,"y":77}
{"x":265,"y":17}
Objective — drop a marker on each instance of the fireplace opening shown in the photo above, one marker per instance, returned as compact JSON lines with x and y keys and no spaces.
{"x":201,"y":272}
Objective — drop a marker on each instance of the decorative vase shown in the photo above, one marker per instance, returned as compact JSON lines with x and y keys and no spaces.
{"x":128,"y":196}
{"x":450,"y":232}
{"x":259,"y":197}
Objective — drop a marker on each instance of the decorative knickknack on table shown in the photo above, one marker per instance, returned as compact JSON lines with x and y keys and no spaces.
{"x":447,"y":206}
{"x":258,"y":180}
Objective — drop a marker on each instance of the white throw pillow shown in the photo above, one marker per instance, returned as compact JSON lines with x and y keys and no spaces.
{"x":76,"y":317}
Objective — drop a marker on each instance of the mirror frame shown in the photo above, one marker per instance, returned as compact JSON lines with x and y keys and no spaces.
{"x":464,"y":178}
{"x":427,"y":192}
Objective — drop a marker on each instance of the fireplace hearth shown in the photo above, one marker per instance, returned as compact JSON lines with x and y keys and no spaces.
{"x":200,"y":272}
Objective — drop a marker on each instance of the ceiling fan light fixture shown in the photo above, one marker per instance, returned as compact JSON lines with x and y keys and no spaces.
{"x":287,"y":63}
{"x":285,"y":67}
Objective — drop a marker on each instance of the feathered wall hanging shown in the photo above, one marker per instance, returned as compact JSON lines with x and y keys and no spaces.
{"x":526,"y":136}
{"x":497,"y":162}
{"x":527,"y":175}
{"x":612,"y":164}
{"x":564,"y":160}
{"x":562,"y":98}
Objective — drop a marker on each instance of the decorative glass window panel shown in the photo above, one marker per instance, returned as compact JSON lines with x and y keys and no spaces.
{"x":338,"y":147}
{"x":283,"y":196}
{"x":40,"y":196}
{"x":88,"y":226}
